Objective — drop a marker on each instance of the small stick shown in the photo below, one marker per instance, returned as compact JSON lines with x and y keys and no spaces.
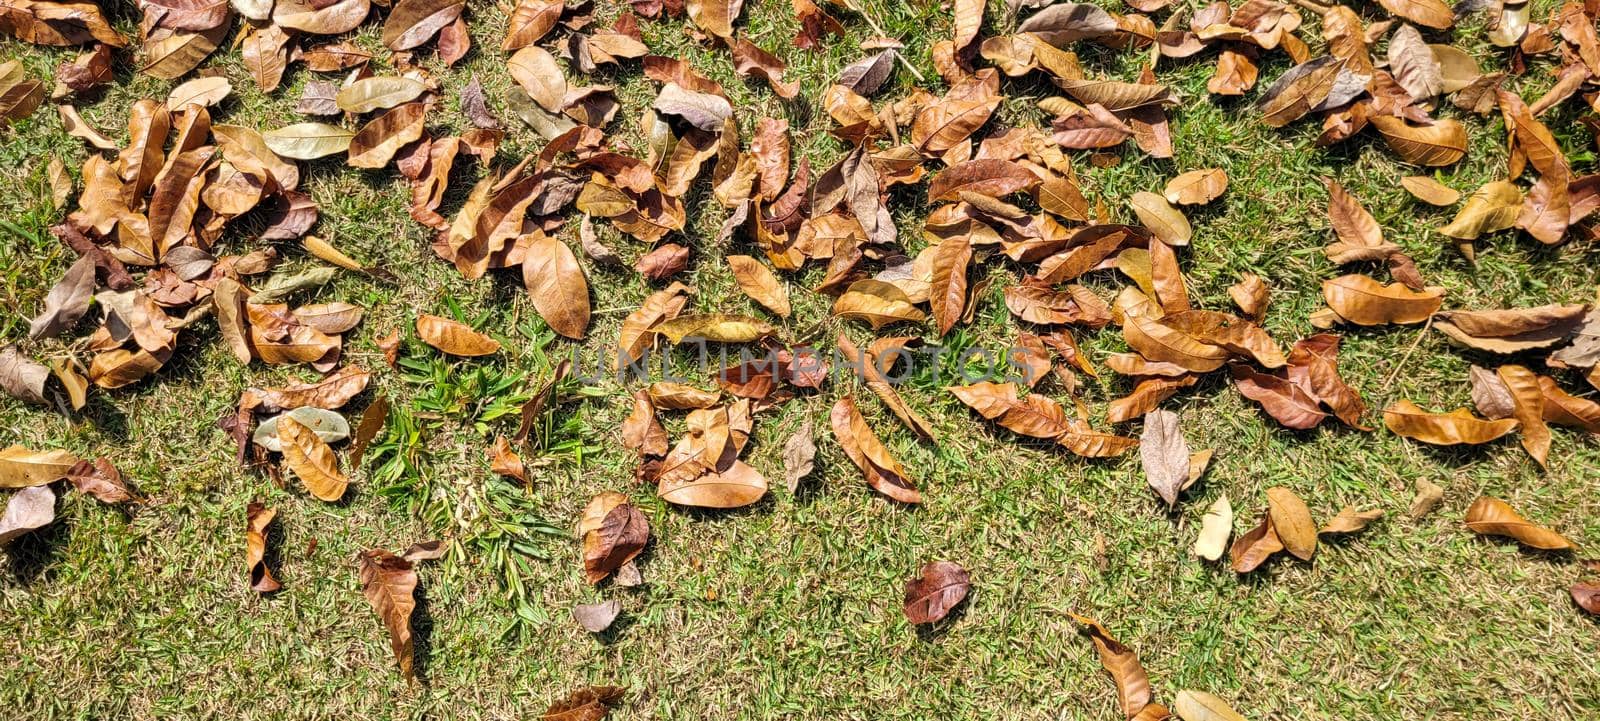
{"x":1407,"y":355}
{"x":897,"y":55}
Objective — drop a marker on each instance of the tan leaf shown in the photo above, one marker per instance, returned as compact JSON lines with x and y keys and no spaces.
{"x":414,"y":22}
{"x":876,"y":302}
{"x":1459,"y":426}
{"x":389,"y":582}
{"x":1196,"y":187}
{"x":257,"y":518}
{"x":1164,"y":344}
{"x":1253,"y":548}
{"x":1427,"y":497}
{"x":376,"y":143}
{"x":1494,"y":517}
{"x":1351,"y":520}
{"x":714,"y":327}
{"x":1430,"y":191}
{"x":1164,"y":454}
{"x":1363,"y":301}
{"x":529,"y":21}
{"x":101,"y":480}
{"x":759,"y":283}
{"x":1202,"y":706}
{"x":737,"y":485}
{"x":883,"y":473}
{"x":1215,"y":528}
{"x":308,"y":141}
{"x":1442,"y":143}
{"x":454,"y":338}
{"x":1292,"y":522}
{"x":311,"y":460}
{"x":1133,"y":685}
{"x":1490,"y":208}
{"x":948,"y":291}
{"x":591,"y":703}
{"x":1527,"y":408}
{"x":556,"y":283}
{"x":22,"y":468}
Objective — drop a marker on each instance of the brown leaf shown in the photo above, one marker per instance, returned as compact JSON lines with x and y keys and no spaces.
{"x":1234,"y":75}
{"x":1133,"y":685}
{"x":1527,"y":408}
{"x":257,"y":519}
{"x":377,"y":142}
{"x":555,"y":282}
{"x":1291,"y":520}
{"x":799,"y":457}
{"x":1202,"y":706}
{"x":1511,"y":330}
{"x":678,"y":396}
{"x":1444,"y":142}
{"x":641,"y":431}
{"x":414,"y":22}
{"x":733,"y":486}
{"x":1435,"y":14}
{"x":372,"y":421}
{"x":311,"y":460}
{"x":1361,"y":300}
{"x":1197,"y":187}
{"x":101,"y":480}
{"x":948,"y":292}
{"x":1254,"y":547}
{"x":759,"y":283}
{"x":1300,"y":90}
{"x":752,"y":62}
{"x":454,"y":338}
{"x":67,"y":301}
{"x":330,"y":393}
{"x":27,"y":510}
{"x":715,"y":16}
{"x":1459,"y":426}
{"x":1587,"y":596}
{"x":505,"y":461}
{"x":613,"y":533}
{"x":1351,"y":520}
{"x":1287,"y":402}
{"x":1250,"y":294}
{"x":941,"y":587}
{"x":883,"y":473}
{"x":1427,"y":497}
{"x":1164,"y":344}
{"x":529,"y":21}
{"x":1314,"y":366}
{"x":22,"y":377}
{"x":1430,"y":191}
{"x":389,"y":582}
{"x":591,"y":703}
{"x":876,"y":302}
{"x":663,"y":262}
{"x":1165,"y":454}
{"x":597,"y":617}
{"x":989,"y":177}
{"x":1494,"y":517}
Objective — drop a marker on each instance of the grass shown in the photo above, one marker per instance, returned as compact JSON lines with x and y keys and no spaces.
{"x":790,"y":608}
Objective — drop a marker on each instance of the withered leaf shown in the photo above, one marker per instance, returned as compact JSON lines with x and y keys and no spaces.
{"x":883,"y":473}
{"x":1202,"y":706}
{"x":22,"y":468}
{"x":1215,"y":528}
{"x":597,"y":617}
{"x":257,"y":518}
{"x":1164,"y":454}
{"x":1254,"y":547}
{"x":1291,"y":520}
{"x":67,"y":301}
{"x":613,"y":533}
{"x":758,"y":282}
{"x":1494,"y":517}
{"x":389,"y":582}
{"x":1363,"y":301}
{"x":101,"y":480}
{"x":591,"y":703}
{"x":799,"y":457}
{"x":1350,"y":521}
{"x":556,"y":283}
{"x":1459,"y":426}
{"x":454,"y":338}
{"x":311,"y":459}
{"x":1133,"y":685}
{"x":1197,"y":187}
{"x":27,"y":510}
{"x":930,"y":596}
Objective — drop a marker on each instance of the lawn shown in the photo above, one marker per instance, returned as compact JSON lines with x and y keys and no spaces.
{"x":790,"y":608}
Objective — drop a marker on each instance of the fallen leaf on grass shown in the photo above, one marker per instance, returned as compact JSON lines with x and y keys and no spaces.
{"x":597,"y":617}
{"x":257,"y":518}
{"x":613,"y":533}
{"x":1459,"y":426}
{"x":1351,"y":520}
{"x":940,"y":587}
{"x":1361,"y":300}
{"x":1202,"y":706}
{"x":883,"y":473}
{"x":1494,"y":517}
{"x":799,"y":457}
{"x":714,"y":327}
{"x":1430,"y":191}
{"x":758,"y":282}
{"x":1292,"y":522}
{"x":1427,"y":497}
{"x":27,"y":510}
{"x":1254,"y":547}
{"x":454,"y":338}
{"x":101,"y":480}
{"x":591,"y":703}
{"x":389,"y":583}
{"x":1164,"y":454}
{"x":1197,"y":187}
{"x":311,"y":459}
{"x":1133,"y":685}
{"x":22,"y":468}
{"x":1215,"y":528}
{"x":1587,"y":596}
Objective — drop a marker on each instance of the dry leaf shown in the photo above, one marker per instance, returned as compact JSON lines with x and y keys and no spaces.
{"x":1494,"y":517}
{"x":1133,"y":685}
{"x":1215,"y":528}
{"x":759,"y":283}
{"x":1165,"y":454}
{"x":311,"y":460}
{"x":1292,"y":522}
{"x":1459,"y":426}
{"x":22,"y":468}
{"x":597,"y":617}
{"x":941,"y":586}
{"x":613,"y":533}
{"x":1351,"y":520}
{"x":27,"y":510}
{"x":1427,"y":497}
{"x":257,"y":518}
{"x":1361,"y":300}
{"x":883,"y":473}
{"x":454,"y":338}
{"x":389,"y":582}
{"x":1202,"y":706}
{"x":1253,"y":548}
{"x":799,"y":457}
{"x":1196,"y":187}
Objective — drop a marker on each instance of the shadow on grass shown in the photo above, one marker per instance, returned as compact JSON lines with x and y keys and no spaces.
{"x":31,"y":555}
